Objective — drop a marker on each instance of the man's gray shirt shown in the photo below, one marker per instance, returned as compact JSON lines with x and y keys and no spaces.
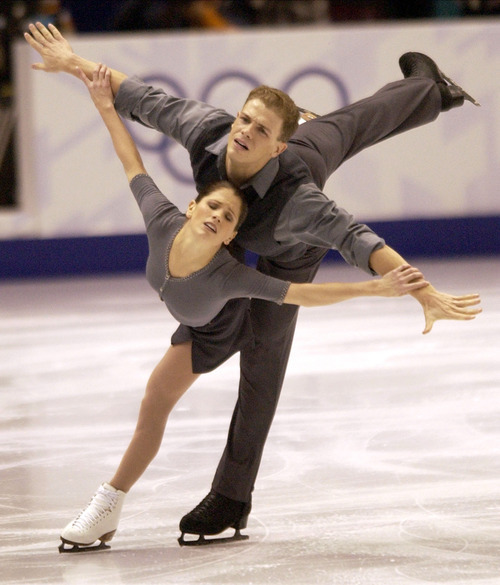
{"x":309,"y":218}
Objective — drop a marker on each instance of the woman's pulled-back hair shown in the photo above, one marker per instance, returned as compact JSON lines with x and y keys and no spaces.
{"x":282,"y":104}
{"x":212,"y":187}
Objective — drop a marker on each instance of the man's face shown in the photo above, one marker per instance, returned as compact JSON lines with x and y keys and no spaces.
{"x":254,"y":136}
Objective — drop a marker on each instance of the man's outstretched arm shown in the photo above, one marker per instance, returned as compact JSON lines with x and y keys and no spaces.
{"x":435,"y":304}
{"x":59,"y":57}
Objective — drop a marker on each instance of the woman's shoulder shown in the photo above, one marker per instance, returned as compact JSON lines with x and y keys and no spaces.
{"x":154,"y":205}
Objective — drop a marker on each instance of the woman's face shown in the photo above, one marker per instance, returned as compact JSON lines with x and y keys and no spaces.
{"x":216,"y":215}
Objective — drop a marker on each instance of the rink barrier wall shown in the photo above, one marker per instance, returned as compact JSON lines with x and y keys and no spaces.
{"x":71,"y":184}
{"x":56,"y":257}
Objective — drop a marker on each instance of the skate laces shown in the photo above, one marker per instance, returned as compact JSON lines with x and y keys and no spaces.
{"x":103,"y":502}
{"x":217,"y":507}
{"x":207,"y":505}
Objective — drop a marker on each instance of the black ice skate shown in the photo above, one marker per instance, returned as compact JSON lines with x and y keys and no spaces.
{"x":214,"y":514}
{"x":420,"y":65}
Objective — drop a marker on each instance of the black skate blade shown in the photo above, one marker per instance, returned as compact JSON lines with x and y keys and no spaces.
{"x":81,"y":548}
{"x":467,"y":96}
{"x":202,"y":541}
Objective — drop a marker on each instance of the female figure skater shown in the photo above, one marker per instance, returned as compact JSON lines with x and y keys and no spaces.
{"x":196,"y":276}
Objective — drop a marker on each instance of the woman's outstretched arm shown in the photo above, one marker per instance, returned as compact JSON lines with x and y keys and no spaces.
{"x":100,"y":91}
{"x":395,"y":283}
{"x":402,"y":280}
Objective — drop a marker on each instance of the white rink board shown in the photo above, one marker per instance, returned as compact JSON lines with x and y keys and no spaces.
{"x":72,"y":184}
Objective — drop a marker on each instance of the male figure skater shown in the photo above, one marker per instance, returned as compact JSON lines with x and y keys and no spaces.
{"x":291,"y":224}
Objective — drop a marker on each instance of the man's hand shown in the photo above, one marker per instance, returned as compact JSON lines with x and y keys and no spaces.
{"x":438,"y":305}
{"x":58,"y":56}
{"x":52,"y":47}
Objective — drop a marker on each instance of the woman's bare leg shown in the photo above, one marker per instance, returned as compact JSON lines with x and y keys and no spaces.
{"x":168,"y":382}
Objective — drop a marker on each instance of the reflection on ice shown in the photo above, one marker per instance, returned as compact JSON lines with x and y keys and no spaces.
{"x":381,"y":468}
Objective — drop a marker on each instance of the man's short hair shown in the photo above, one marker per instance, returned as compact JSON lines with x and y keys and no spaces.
{"x":282,"y":104}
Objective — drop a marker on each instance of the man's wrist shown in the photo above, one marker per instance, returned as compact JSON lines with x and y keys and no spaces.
{"x":74,"y":62}
{"x":421,"y":293}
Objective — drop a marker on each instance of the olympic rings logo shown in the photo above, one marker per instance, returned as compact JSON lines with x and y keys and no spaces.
{"x":165,"y":147}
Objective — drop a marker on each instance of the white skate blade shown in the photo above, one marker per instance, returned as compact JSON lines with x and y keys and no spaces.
{"x":80,"y":548}
{"x":306,"y":115}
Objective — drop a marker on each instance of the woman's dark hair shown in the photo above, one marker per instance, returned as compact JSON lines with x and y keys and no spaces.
{"x":209,"y":189}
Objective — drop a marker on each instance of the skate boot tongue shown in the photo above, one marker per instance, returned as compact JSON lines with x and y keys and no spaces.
{"x":102,"y":503}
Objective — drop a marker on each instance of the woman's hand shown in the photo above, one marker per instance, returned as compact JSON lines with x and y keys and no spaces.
{"x":99,"y":87}
{"x":401,"y":281}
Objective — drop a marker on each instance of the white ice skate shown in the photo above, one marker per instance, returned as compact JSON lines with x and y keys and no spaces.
{"x":306,"y":115}
{"x":98,"y":521}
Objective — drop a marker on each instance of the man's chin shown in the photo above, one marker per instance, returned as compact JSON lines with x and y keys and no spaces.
{"x":236,"y":154}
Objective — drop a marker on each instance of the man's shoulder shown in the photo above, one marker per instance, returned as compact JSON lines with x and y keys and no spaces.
{"x":293,"y":169}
